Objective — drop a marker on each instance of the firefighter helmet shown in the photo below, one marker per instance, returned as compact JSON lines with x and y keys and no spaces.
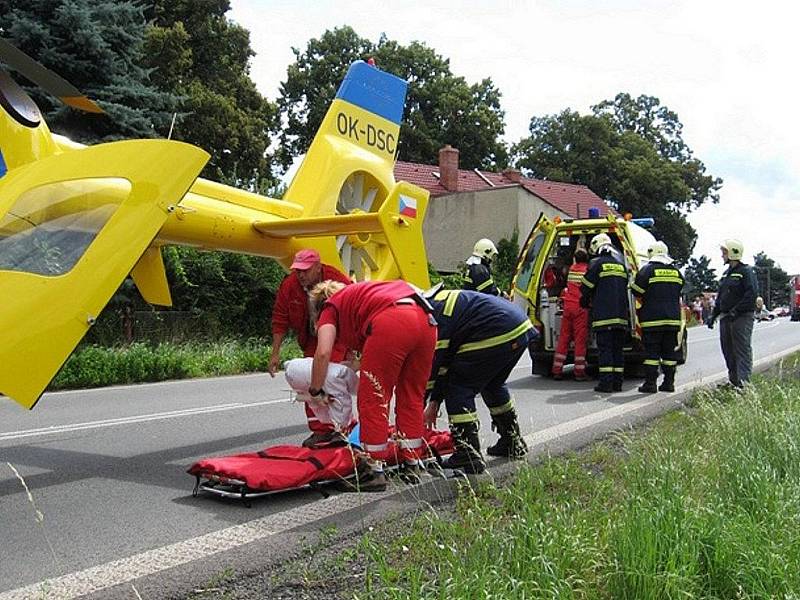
{"x":598,"y":241}
{"x":734,"y":248}
{"x":658,"y":248}
{"x":485,"y":248}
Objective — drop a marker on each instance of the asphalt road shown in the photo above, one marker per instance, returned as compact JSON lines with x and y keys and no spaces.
{"x":110,"y":501}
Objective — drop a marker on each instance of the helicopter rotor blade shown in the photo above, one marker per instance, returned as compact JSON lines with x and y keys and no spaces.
{"x":45,"y":78}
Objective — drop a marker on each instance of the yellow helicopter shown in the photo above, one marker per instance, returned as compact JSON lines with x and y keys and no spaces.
{"x":76,"y":220}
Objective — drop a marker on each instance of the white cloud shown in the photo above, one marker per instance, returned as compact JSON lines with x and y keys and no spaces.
{"x":726,"y":67}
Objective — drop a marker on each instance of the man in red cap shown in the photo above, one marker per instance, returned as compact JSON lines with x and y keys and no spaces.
{"x":290,"y":313}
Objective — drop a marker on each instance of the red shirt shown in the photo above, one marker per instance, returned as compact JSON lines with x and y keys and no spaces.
{"x":572,"y":293}
{"x":352,"y":309}
{"x":291,"y":308}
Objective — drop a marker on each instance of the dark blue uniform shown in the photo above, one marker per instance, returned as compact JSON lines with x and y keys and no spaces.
{"x":605,"y":289}
{"x":479,"y":276}
{"x":736,"y":301}
{"x":659,"y":286}
{"x":481,"y":338}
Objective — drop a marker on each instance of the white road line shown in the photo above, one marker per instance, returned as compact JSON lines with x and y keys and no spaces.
{"x":174,"y":414}
{"x":153,"y":561}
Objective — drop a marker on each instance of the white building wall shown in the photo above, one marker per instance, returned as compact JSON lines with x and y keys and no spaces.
{"x":454,"y":223}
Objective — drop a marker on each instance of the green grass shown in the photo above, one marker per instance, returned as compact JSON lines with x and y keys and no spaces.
{"x":97,"y":366}
{"x":702,"y":504}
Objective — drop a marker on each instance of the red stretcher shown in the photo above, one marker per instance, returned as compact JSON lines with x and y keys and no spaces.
{"x":283,"y":468}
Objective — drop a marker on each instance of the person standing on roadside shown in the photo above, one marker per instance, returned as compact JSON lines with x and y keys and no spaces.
{"x":291,"y":313}
{"x":736,"y":301}
{"x":604,"y":288}
{"x":659,"y":285}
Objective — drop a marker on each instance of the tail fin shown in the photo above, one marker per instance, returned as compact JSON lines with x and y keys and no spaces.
{"x":349,"y":170}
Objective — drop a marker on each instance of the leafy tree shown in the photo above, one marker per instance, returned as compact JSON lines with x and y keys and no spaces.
{"x":660,"y":127}
{"x":441,"y":108}
{"x":197,"y":53}
{"x":631,"y":154}
{"x":98,"y":47}
{"x":773,"y":282}
{"x":700,"y":277}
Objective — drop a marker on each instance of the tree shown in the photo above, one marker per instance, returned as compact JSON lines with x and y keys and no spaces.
{"x":773,"y":282}
{"x":98,"y":47}
{"x":505,"y":265}
{"x":441,"y":108}
{"x":661,"y":128}
{"x":198,"y":54}
{"x":631,"y":154}
{"x":700,"y":277}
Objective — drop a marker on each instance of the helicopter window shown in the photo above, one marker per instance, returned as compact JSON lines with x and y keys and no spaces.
{"x":49,"y":228}
{"x":524,"y":278}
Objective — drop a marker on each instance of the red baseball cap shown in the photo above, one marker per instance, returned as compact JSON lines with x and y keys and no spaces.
{"x":305,"y":259}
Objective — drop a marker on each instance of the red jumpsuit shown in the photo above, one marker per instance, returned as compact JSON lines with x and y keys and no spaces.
{"x":574,"y":323}
{"x":291,"y":313}
{"x":397,"y":339}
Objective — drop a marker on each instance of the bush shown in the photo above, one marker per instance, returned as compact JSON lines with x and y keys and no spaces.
{"x":97,"y":366}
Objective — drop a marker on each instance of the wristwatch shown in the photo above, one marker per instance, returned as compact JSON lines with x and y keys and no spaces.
{"x":315,"y":393}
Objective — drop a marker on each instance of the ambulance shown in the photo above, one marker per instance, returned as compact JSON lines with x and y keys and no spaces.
{"x":541,"y":273}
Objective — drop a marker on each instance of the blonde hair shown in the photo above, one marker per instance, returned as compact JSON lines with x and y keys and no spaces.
{"x":319,"y":294}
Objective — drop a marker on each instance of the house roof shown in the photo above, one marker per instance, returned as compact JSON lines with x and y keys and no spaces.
{"x":568,"y":198}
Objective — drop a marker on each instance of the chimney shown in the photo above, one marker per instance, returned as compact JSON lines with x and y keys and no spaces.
{"x":513,"y":175}
{"x":448,"y":168}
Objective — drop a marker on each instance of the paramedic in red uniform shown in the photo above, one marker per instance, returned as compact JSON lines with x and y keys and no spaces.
{"x":291,"y":313}
{"x":574,"y":320}
{"x":397,"y":338}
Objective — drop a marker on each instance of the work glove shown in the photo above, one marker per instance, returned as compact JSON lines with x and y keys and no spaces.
{"x":584,"y":302}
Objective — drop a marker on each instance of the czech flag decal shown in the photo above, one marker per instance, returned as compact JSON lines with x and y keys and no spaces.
{"x":408,"y":206}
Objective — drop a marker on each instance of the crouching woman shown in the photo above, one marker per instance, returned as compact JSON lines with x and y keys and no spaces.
{"x":397,"y":338}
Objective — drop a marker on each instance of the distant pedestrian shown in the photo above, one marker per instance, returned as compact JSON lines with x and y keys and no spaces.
{"x":734,"y":307}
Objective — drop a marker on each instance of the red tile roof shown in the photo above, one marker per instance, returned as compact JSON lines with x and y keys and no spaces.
{"x":569,"y":198}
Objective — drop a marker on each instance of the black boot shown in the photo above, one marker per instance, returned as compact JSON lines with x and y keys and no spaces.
{"x":510,"y":444}
{"x":650,"y":377}
{"x":616,"y":384}
{"x":668,"y":385}
{"x":648,"y":387}
{"x":605,"y":385}
{"x":467,"y":457}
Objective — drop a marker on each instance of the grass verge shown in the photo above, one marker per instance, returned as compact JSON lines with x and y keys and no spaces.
{"x":98,"y":366}
{"x":704,"y":503}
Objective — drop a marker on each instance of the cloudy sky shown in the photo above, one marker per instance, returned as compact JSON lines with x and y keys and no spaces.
{"x":728,"y":68}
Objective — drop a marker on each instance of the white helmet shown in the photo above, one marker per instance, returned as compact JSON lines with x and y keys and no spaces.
{"x":735,"y":249}
{"x":658,"y":248}
{"x":485,"y":248}
{"x":598,"y":241}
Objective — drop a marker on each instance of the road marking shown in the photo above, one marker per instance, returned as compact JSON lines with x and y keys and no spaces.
{"x":153,"y":561}
{"x":173,"y":414}
{"x":125,"y":570}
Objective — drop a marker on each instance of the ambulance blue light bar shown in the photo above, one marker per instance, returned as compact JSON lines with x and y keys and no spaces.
{"x":645,"y":222}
